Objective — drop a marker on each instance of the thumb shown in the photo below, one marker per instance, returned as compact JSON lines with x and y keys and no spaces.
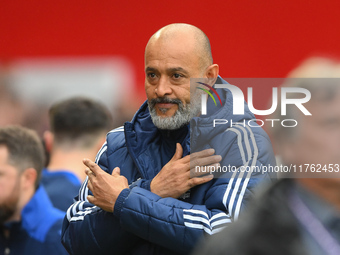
{"x":178,"y":153}
{"x":116,"y":171}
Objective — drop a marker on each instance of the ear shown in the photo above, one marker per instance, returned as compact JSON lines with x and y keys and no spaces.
{"x":48,"y":140}
{"x":211,"y":73}
{"x":28,"y":177}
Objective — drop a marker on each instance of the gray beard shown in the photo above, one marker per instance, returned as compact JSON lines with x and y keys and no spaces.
{"x":181,"y":117}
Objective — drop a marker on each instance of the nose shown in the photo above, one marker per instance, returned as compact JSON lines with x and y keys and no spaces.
{"x":163,"y":88}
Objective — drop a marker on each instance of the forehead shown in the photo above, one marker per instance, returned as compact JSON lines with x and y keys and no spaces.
{"x":170,"y":53}
{"x":5,"y":165}
{"x":3,"y":154}
{"x":325,"y":102}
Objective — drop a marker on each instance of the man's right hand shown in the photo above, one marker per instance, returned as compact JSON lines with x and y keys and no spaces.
{"x":179,"y":174}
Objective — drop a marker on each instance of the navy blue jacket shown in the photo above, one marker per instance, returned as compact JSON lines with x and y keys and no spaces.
{"x":38,"y":232}
{"x":61,"y":186}
{"x":143,"y":222}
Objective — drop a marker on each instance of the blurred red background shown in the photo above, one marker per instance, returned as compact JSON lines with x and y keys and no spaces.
{"x":249,"y":38}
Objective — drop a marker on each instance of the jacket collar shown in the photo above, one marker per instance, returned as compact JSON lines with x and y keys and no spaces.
{"x":39,"y":215}
{"x":145,"y":141}
{"x":202,"y":129}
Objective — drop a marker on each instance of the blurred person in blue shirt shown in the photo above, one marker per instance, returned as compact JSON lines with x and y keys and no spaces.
{"x":29,"y":222}
{"x":78,"y":128}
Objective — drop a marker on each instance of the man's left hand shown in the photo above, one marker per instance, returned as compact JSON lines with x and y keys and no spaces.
{"x":105,"y":187}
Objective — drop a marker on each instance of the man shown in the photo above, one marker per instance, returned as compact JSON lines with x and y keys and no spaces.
{"x":78,"y":129}
{"x":29,"y":222}
{"x":150,"y":204}
{"x":300,"y":214}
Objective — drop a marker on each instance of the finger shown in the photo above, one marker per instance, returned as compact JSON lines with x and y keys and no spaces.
{"x":91,"y":199}
{"x":199,"y":154}
{"x":200,"y":180}
{"x":88,"y":172}
{"x":89,"y":185}
{"x":203,"y":153}
{"x":206,"y":161}
{"x":204,"y":170}
{"x":92,"y":166}
{"x":90,"y":175}
{"x":178,"y":153}
{"x":116,"y":171}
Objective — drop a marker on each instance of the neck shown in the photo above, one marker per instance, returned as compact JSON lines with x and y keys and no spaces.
{"x":70,"y":161}
{"x":327,"y":189}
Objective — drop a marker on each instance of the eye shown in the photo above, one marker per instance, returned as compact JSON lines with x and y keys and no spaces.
{"x":177,"y":75}
{"x":151,"y":75}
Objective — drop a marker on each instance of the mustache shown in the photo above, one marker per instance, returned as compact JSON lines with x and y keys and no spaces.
{"x":164,"y":100}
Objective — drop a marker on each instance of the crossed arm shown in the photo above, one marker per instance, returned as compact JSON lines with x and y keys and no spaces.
{"x":122,"y":216}
{"x":176,"y":177}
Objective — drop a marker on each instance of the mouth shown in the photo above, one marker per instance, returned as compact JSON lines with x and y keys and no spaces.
{"x":165,"y":105}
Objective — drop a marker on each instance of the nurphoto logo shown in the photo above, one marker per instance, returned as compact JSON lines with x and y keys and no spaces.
{"x":238,"y":103}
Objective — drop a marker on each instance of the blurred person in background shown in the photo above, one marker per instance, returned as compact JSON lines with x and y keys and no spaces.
{"x":78,"y":128}
{"x":11,"y":109}
{"x":29,"y":222}
{"x":300,"y":214}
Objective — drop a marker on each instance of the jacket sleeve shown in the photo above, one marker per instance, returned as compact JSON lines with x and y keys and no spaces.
{"x":178,"y":225}
{"x":168,"y":222}
{"x":90,"y":230}
{"x":87,"y":229}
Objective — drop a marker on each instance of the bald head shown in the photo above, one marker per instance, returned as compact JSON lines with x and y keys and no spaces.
{"x":179,"y":34}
